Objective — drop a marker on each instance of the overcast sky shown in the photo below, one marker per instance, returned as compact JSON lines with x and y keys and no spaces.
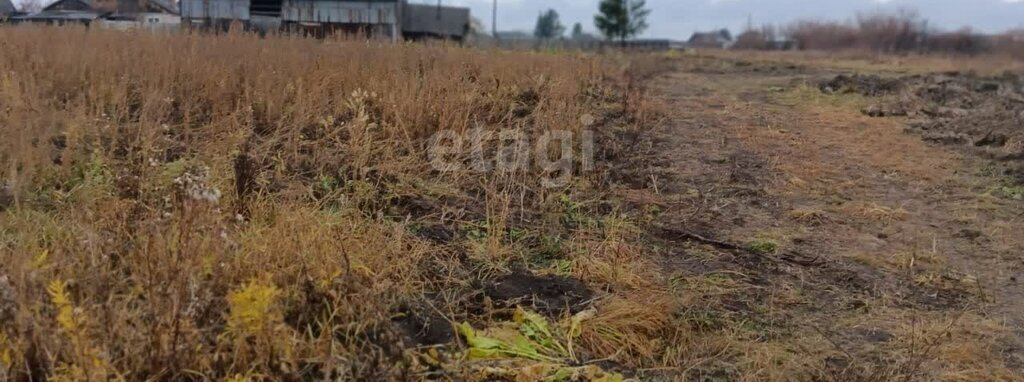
{"x":677,"y":19}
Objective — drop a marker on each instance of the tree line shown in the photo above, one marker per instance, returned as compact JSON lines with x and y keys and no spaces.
{"x":617,"y":20}
{"x":903,"y":31}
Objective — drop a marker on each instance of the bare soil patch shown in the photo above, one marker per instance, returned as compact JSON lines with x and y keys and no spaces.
{"x":826,"y":243}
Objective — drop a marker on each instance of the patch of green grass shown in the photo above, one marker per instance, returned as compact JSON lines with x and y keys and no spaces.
{"x":562,"y":267}
{"x":551,"y":246}
{"x":809,"y":96}
{"x":700,"y":252}
{"x":518,"y":234}
{"x":705,"y":319}
{"x":651,"y":213}
{"x":1012,"y":192}
{"x":328,"y":183}
{"x":763,"y":247}
{"x":474,"y":231}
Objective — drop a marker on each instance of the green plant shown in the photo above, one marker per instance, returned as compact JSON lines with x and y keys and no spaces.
{"x":572,"y":213}
{"x":530,"y":336}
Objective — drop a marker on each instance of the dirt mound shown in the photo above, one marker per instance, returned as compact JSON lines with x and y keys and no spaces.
{"x":424,"y":326}
{"x":950,"y":108}
{"x":549,"y":294}
{"x":869,"y":85}
{"x":978,"y":111}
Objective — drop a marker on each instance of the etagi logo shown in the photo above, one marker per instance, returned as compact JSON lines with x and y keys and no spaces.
{"x":554,"y":153}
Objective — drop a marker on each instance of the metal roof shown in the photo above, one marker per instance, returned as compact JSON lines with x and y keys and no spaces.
{"x":168,"y":6}
{"x":44,"y":16}
{"x":123,"y":6}
{"x":6,"y":7}
{"x":70,"y":5}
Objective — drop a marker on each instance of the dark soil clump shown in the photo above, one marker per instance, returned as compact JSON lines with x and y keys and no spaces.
{"x":549,"y":294}
{"x":871,"y":85}
{"x":424,"y":327}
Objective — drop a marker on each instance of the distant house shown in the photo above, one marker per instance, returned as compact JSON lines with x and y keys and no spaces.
{"x":782,"y":44}
{"x":146,"y":14}
{"x":763,"y":40}
{"x":515,"y":36}
{"x":640,"y":44}
{"x":63,"y":12}
{"x":123,"y":14}
{"x":584,"y":36}
{"x":720,"y":39}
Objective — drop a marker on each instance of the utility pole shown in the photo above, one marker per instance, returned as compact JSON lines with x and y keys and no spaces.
{"x":494,"y":20}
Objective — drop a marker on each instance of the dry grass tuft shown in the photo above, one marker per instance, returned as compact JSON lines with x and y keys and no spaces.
{"x":629,"y":329}
{"x":872,"y":211}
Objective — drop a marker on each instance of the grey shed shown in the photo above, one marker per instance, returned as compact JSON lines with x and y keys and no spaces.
{"x":384,"y":18}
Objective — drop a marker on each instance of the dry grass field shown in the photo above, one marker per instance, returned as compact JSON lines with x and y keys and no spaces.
{"x":206,"y":207}
{"x":230,"y":207}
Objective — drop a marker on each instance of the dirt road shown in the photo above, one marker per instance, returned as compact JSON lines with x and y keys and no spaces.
{"x":812,"y":241}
